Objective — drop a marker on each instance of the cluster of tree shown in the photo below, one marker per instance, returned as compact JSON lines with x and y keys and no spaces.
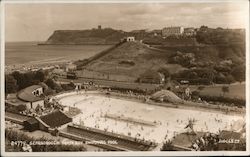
{"x":219,"y":36}
{"x":216,"y":74}
{"x":184,"y":59}
{"x":53,"y":85}
{"x":10,"y":84}
{"x":229,"y":74}
{"x":238,"y":72}
{"x":17,"y":81}
{"x":195,"y":76}
{"x":226,"y":70}
{"x":208,"y":55}
{"x":15,"y":135}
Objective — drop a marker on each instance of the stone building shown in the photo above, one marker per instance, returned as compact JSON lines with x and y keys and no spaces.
{"x":169,"y":31}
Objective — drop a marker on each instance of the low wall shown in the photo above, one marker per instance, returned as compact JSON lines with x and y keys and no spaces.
{"x":129,"y":119}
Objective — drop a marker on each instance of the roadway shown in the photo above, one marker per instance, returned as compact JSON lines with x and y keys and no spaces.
{"x":111,"y":83}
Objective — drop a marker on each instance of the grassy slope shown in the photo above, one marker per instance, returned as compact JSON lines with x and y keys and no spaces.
{"x":143,"y":56}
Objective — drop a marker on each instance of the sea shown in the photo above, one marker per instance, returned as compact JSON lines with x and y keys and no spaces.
{"x":31,"y":53}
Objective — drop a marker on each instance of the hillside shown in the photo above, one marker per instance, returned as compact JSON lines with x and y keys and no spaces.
{"x":128,"y":61}
{"x":209,"y":56}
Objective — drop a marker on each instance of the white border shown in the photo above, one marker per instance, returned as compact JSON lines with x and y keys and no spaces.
{"x":152,"y":153}
{"x":120,"y":1}
{"x":2,"y":85}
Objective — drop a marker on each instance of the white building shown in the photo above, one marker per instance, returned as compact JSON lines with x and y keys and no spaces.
{"x":168,"y":31}
{"x":129,"y":39}
{"x":31,"y":96}
{"x":70,"y":67}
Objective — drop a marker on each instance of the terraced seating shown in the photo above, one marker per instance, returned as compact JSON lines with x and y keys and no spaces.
{"x":125,"y":142}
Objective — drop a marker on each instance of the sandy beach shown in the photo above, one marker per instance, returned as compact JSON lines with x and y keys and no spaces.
{"x":35,"y":65}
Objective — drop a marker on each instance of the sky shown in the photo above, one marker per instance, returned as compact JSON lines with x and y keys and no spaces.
{"x":37,"y":21}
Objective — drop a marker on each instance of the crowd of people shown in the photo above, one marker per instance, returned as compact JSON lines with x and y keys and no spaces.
{"x":101,"y":121}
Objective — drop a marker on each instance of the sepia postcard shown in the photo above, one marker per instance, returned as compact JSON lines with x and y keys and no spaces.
{"x":124,"y":78}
